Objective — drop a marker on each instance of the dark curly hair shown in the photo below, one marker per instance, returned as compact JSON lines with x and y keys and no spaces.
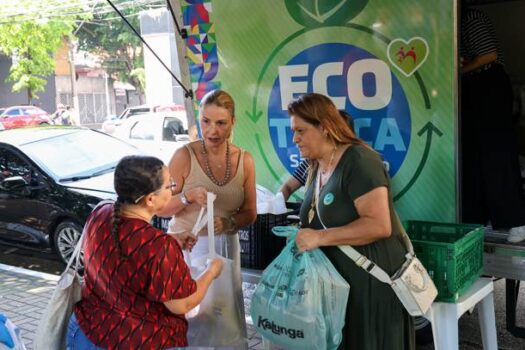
{"x":135,"y":177}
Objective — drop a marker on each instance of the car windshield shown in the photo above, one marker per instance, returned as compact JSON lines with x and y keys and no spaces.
{"x":80,"y":154}
{"x":133,"y":111}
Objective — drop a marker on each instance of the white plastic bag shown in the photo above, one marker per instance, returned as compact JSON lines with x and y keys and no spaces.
{"x":215,"y":322}
{"x":270,"y":203}
{"x":52,"y":328}
{"x":10,"y":335}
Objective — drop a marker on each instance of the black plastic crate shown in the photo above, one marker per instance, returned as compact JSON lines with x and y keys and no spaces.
{"x":259,"y":246}
{"x":161,"y":223}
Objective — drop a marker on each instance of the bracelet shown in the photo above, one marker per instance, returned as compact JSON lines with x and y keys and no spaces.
{"x":184,"y":200}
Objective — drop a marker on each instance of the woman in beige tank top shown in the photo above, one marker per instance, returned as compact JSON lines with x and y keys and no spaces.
{"x":214,"y":164}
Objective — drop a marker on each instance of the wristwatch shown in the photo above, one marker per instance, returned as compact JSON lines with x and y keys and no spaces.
{"x":183,"y":199}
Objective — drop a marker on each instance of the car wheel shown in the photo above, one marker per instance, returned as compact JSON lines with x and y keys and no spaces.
{"x":423,"y":331}
{"x":66,"y":237}
{"x":44,"y":124}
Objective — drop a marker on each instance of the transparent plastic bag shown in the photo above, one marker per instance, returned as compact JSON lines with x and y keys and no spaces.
{"x":301,"y":299}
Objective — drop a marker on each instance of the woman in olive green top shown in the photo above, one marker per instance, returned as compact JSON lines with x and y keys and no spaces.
{"x":355,"y":206}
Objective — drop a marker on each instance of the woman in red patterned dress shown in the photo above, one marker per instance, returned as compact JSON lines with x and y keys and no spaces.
{"x":137,"y":286}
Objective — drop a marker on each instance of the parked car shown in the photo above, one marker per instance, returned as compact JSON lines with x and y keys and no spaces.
{"x":21,"y":116}
{"x":50,"y":180}
{"x":157,"y":134}
{"x":108,"y":126}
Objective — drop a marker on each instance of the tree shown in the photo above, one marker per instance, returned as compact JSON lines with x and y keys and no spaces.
{"x":109,"y":37}
{"x":31,"y":42}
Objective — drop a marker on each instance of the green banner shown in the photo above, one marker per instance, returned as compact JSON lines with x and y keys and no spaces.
{"x":390,"y":64}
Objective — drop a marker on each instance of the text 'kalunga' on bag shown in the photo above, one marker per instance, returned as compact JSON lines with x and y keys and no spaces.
{"x":301,"y":299}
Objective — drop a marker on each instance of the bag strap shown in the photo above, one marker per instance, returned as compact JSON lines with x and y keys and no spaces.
{"x":75,"y":257}
{"x":210,"y":197}
{"x":360,"y":260}
{"x":200,"y":223}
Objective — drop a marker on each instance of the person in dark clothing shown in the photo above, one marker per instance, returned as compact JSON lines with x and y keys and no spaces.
{"x":491,"y":184}
{"x":348,"y":200}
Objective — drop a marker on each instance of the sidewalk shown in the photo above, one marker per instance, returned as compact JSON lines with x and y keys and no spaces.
{"x":24,"y":295}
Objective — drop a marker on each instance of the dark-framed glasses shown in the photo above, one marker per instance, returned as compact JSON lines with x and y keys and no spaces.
{"x":172,"y":187}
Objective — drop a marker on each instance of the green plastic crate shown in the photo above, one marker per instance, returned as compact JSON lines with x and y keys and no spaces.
{"x":451,"y":253}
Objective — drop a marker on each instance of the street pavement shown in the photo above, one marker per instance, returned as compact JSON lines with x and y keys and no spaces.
{"x":24,"y":295}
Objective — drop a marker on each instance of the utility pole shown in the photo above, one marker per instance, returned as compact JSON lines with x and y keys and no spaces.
{"x":185,"y":72}
{"x":73,"y":75}
{"x":106,"y":91}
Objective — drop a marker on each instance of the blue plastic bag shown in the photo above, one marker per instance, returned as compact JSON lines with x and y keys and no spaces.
{"x":10,"y":337}
{"x":300,"y":301}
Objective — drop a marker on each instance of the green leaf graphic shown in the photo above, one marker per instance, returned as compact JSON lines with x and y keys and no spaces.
{"x":315,"y":13}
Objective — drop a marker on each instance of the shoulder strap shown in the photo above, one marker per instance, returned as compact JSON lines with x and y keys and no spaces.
{"x":360,"y":260}
{"x":190,"y":150}
{"x":75,"y":257}
{"x":240,"y":165}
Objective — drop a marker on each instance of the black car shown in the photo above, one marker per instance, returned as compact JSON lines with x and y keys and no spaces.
{"x":50,"y":180}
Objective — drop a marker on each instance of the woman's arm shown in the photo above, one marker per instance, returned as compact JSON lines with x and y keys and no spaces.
{"x":181,"y":306}
{"x":179,"y":168}
{"x":247,"y":213}
{"x":373,"y":224}
{"x":289,"y":187}
{"x":479,"y":61}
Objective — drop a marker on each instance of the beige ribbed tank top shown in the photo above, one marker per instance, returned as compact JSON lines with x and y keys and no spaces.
{"x":229,"y":199}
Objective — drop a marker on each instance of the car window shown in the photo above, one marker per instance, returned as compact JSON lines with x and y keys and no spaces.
{"x":80,"y":153}
{"x":2,"y":110}
{"x":142,"y":130}
{"x":13,"y":112}
{"x":11,"y":165}
{"x":135,"y":111}
{"x":31,"y":111}
{"x":128,"y":112}
{"x":171,"y":128}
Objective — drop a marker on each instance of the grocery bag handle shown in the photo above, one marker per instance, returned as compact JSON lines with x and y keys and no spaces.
{"x":210,"y":198}
{"x":285,"y":231}
{"x":198,"y":226}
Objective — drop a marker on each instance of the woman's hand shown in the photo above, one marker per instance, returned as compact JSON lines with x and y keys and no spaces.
{"x":186,"y":240}
{"x":308,"y":239}
{"x":222,"y":225}
{"x":197,"y":195}
{"x":215,"y":267}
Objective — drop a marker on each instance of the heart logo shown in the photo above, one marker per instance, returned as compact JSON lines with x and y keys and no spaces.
{"x":407,"y":56}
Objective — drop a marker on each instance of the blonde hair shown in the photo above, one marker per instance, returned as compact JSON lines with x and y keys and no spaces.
{"x":219,"y":98}
{"x":319,"y":110}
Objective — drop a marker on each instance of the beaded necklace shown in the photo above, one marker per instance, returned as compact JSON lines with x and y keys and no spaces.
{"x":207,"y":168}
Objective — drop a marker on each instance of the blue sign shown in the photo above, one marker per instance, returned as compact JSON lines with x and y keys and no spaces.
{"x":357,"y":82}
